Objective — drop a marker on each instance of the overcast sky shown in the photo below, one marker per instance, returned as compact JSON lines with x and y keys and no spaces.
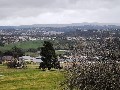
{"x":24,"y":12}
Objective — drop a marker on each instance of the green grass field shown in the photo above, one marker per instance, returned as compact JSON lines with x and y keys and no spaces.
{"x":29,"y":79}
{"x":23,"y":45}
{"x":27,"y":45}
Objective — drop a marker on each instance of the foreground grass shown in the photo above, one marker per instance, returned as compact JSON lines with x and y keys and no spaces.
{"x":29,"y":79}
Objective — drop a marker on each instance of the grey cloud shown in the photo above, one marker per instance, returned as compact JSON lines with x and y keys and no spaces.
{"x":100,"y":9}
{"x":27,"y":3}
{"x":57,"y":3}
{"x":24,"y":12}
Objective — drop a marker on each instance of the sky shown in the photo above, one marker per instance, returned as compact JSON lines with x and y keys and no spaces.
{"x":27,"y":12}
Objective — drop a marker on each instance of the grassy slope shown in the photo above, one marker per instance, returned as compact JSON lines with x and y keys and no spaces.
{"x":27,"y":45}
{"x":29,"y":79}
{"x":23,"y":45}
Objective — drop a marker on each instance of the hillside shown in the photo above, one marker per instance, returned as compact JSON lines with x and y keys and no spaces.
{"x":23,"y":45}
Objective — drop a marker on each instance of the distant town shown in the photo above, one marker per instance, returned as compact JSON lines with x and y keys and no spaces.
{"x":13,"y":34}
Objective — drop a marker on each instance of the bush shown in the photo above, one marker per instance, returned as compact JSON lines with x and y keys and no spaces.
{"x":11,"y":64}
{"x":15,"y":64}
{"x":93,"y":76}
{"x":0,"y":62}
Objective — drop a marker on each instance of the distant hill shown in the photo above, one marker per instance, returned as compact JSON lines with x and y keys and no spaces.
{"x":65,"y":25}
{"x":60,"y":25}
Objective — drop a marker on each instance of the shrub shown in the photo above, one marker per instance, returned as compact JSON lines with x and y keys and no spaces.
{"x":15,"y":64}
{"x":93,"y":76}
{"x":11,"y":64}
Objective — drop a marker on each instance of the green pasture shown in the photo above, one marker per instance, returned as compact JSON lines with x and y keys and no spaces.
{"x":29,"y":79}
{"x":24,"y":45}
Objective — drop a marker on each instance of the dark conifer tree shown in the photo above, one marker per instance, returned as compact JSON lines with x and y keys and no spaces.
{"x":48,"y":56}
